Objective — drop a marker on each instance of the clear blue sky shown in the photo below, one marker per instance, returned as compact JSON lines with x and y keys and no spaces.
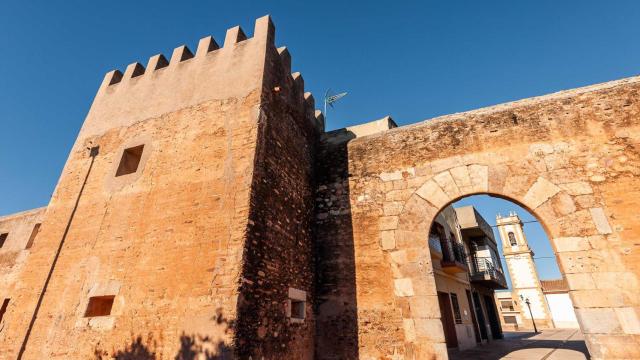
{"x":544,"y":258}
{"x":410,"y":60}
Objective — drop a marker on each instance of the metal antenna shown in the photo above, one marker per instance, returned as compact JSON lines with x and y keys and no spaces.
{"x":330,"y":99}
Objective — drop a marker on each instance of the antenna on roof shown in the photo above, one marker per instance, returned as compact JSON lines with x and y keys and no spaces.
{"x":330,"y":99}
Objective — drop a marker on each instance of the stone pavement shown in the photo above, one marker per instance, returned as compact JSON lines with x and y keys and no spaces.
{"x":552,"y":344}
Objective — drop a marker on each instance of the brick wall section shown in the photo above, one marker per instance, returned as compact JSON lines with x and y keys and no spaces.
{"x":279,"y":247}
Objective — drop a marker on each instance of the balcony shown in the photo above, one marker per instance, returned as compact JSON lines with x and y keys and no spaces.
{"x":482,"y":271}
{"x":453,"y":258}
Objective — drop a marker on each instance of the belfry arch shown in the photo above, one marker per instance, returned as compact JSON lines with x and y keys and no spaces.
{"x":569,"y":158}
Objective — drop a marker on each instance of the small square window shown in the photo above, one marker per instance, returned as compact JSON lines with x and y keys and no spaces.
{"x":34,"y":232}
{"x":99,"y":306}
{"x":3,"y":238}
{"x":130,"y":160}
{"x":298,"y":309}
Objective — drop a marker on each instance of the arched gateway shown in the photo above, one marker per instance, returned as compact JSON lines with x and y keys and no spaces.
{"x":571,"y":158}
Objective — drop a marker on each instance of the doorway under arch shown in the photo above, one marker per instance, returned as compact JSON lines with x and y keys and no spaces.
{"x":475,"y":244}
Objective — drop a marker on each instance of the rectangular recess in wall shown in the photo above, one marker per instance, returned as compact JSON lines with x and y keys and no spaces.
{"x":297,"y":309}
{"x":99,"y":306}
{"x":3,"y":238}
{"x":34,"y":232}
{"x":130,"y":160}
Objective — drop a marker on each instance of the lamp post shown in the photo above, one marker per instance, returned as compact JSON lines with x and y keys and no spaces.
{"x":526,"y":301}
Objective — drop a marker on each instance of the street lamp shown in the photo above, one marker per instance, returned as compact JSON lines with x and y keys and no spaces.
{"x":526,"y":301}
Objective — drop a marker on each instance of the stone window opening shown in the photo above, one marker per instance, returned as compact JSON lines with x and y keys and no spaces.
{"x":99,"y":306}
{"x":34,"y":233}
{"x":507,"y":305}
{"x":3,"y":309}
{"x":297,"y":305}
{"x":130,"y":160}
{"x":512,"y":238}
{"x":3,"y":238}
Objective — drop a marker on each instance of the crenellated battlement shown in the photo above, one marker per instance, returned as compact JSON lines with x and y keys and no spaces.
{"x":207,"y":46}
{"x":186,"y":78}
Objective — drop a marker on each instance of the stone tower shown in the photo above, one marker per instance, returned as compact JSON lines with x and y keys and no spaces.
{"x":524,"y":277}
{"x":181,"y":220}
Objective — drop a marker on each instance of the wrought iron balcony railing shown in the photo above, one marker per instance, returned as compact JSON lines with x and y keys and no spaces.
{"x":483,"y":269}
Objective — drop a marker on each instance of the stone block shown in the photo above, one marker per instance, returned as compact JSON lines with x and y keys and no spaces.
{"x":629,"y":319}
{"x":399,"y":257}
{"x":448,"y":185}
{"x":563,"y":203}
{"x":391,"y":176}
{"x":429,"y":329}
{"x":600,"y":220}
{"x":403,"y":287}
{"x":598,"y":321}
{"x":461,"y":176}
{"x":426,"y":307}
{"x":479,"y":175}
{"x":433,"y":193}
{"x":580,"y":281}
{"x":593,"y":298}
{"x":388,"y":223}
{"x":409,"y":330}
{"x":541,"y":191}
{"x":577,"y":188}
{"x":392,"y":208}
{"x":571,"y":244}
{"x":445,"y":164}
{"x":387,"y":240}
{"x":497,"y":177}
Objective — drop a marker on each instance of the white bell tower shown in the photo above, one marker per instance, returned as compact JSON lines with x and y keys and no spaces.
{"x":522,"y":270}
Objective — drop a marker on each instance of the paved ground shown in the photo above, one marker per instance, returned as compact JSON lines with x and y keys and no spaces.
{"x":553,"y":344}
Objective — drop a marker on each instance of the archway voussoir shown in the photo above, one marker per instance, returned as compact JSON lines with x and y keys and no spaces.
{"x":541,"y":191}
{"x":433,"y":193}
{"x":479,"y":177}
{"x":447,"y":184}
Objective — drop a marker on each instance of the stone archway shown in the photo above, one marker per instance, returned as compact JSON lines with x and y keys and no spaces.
{"x":571,"y":158}
{"x":577,"y":233}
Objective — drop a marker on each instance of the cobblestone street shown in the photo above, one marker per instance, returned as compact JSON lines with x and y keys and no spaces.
{"x":552,"y":344}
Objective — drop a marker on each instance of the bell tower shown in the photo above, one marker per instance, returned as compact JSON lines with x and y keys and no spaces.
{"x":522,"y":270}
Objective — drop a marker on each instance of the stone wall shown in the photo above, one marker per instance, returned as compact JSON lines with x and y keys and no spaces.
{"x":20,"y":243}
{"x":571,"y":158}
{"x":279,"y":251}
{"x":336,"y":305}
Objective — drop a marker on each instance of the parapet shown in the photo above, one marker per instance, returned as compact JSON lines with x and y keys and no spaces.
{"x":356,"y":131}
{"x":234,"y":70}
{"x":207,"y":46}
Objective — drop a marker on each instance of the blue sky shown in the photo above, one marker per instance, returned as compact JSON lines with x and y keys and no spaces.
{"x":410,"y":60}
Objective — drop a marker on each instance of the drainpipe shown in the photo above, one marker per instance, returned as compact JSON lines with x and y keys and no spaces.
{"x":93,"y":152}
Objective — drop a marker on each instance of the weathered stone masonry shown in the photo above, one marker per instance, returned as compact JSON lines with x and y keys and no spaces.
{"x":241,"y":206}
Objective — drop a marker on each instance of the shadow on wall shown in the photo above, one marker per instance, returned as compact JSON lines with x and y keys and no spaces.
{"x":192,"y":347}
{"x":336,"y":307}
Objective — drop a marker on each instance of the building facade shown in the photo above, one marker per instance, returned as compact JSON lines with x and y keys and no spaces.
{"x":467,"y":270}
{"x":204,"y":210}
{"x":546,"y":302}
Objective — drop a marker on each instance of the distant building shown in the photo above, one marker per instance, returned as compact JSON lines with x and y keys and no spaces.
{"x":549,"y":300}
{"x":467,"y":270}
